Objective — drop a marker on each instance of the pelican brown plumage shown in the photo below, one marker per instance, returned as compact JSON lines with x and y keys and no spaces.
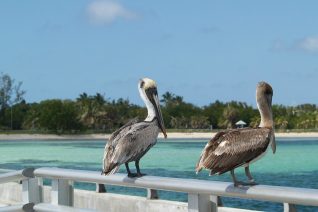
{"x":230,"y":149}
{"x":133,"y":140}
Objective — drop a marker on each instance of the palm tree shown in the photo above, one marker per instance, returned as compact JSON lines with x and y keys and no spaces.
{"x":167,"y":98}
{"x":99,"y":99}
{"x":230,"y":116}
{"x":86,"y":109}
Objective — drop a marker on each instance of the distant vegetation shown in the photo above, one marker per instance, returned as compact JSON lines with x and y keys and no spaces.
{"x":95,"y":113}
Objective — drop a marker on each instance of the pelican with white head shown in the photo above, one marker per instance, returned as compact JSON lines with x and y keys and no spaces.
{"x":133,"y":140}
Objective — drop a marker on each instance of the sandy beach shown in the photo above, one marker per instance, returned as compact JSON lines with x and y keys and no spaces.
{"x":172,"y":135}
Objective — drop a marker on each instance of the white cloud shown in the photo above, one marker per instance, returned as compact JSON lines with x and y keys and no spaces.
{"x":108,"y":11}
{"x":278,"y":45}
{"x":309,"y":44}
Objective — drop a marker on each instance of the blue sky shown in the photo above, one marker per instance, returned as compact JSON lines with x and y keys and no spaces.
{"x":202,"y":50}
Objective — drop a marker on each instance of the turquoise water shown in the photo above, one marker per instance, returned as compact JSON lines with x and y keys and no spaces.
{"x":294,"y":164}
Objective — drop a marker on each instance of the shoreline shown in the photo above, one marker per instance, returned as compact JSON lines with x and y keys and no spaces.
{"x":172,"y":135}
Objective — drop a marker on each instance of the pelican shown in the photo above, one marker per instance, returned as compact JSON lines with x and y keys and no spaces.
{"x":134,"y":139}
{"x":230,"y":149}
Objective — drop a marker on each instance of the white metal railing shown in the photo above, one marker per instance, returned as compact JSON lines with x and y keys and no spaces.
{"x":32,"y":194}
{"x":202,"y":194}
{"x":42,"y":207}
{"x":16,"y":175}
{"x":18,"y":208}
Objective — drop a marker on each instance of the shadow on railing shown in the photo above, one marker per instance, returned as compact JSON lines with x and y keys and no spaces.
{"x":202,"y":195}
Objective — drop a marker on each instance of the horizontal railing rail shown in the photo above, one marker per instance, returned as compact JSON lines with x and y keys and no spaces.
{"x":16,"y":175}
{"x":299,"y":196}
{"x":46,"y":207}
{"x":202,"y":194}
{"x":42,"y":207}
{"x":28,"y":207}
{"x":6,"y":170}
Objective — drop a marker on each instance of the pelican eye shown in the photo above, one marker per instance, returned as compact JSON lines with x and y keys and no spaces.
{"x":142,"y":83}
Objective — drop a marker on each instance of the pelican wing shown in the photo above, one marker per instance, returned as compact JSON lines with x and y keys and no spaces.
{"x":230,"y":149}
{"x":121,"y":131}
{"x":125,"y":145}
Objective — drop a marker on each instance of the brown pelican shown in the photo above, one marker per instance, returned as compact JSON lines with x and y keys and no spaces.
{"x":134,"y":139}
{"x":230,"y":149}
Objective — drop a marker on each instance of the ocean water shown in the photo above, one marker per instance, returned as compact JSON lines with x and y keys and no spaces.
{"x":294,"y":164}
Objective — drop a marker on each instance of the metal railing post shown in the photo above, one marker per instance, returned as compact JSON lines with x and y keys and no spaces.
{"x":32,"y":188}
{"x":202,"y":203}
{"x":100,"y":188}
{"x":215,"y":202}
{"x":289,"y":207}
{"x":152,"y":194}
{"x":62,"y":192}
{"x":220,"y":203}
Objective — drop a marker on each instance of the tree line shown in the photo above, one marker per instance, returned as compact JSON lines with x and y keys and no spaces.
{"x":99,"y":114}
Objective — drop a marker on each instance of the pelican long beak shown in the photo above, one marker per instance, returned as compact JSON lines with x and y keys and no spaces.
{"x":155,"y":101}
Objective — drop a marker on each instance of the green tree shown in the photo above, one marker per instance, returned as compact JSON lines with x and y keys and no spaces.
{"x":15,"y":115}
{"x":31,"y":119}
{"x":214,"y":112}
{"x":91,"y":110}
{"x":281,"y":123}
{"x":255,"y":121}
{"x":230,"y":117}
{"x":199,"y":122}
{"x":58,"y":116}
{"x":10,"y":94}
{"x":167,"y":98}
{"x":176,"y":112}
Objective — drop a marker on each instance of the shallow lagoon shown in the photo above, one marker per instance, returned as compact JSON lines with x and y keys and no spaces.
{"x":294,"y":164}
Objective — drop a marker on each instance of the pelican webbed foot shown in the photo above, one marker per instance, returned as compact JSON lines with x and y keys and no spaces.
{"x":129,"y":174}
{"x":251,"y":180}
{"x":132,"y":175}
{"x":252,"y":183}
{"x":240,"y":183}
{"x":140,"y":174}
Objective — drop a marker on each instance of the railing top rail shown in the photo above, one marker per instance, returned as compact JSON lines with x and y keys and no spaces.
{"x":302,"y":196}
{"x":60,"y":208}
{"x":16,"y":175}
{"x":6,"y":170}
